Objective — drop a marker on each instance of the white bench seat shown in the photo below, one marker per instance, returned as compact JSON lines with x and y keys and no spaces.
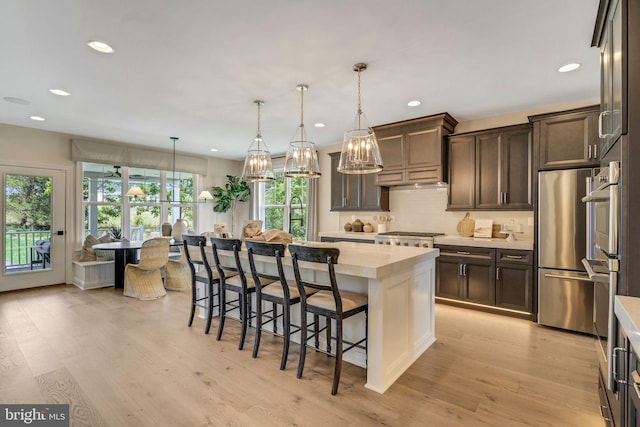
{"x":93,"y":274}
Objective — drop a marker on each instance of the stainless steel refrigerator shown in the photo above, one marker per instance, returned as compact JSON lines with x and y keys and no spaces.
{"x":565,"y":293}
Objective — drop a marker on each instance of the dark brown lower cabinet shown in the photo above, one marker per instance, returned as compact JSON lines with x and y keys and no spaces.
{"x":514,"y":279}
{"x":465,"y":274}
{"x":490,"y":277}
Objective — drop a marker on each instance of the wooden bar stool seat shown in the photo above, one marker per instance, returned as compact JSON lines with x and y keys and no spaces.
{"x":329,"y":302}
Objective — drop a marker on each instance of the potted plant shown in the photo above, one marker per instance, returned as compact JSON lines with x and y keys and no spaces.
{"x":227,"y":197}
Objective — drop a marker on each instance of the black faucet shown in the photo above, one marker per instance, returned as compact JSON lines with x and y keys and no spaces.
{"x":300,"y":219}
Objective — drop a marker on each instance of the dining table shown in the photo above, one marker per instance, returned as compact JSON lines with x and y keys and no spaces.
{"x":125,"y":252}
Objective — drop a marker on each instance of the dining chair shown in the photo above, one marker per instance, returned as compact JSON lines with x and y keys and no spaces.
{"x":201,"y":271}
{"x":177,"y":274}
{"x":233,"y":279}
{"x":144,"y":280}
{"x":276,"y":289}
{"x":329,"y":302}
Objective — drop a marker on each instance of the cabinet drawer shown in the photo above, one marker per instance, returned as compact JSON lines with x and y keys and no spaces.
{"x":425,"y":175}
{"x":514,"y":256}
{"x":466,"y":252}
{"x":390,"y":177}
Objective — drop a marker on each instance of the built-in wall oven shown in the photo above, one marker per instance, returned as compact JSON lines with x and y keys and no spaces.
{"x":602,"y":260}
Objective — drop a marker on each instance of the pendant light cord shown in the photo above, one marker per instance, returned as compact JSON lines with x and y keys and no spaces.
{"x":173,"y":182}
{"x":303,"y":136}
{"x":359,"y":100}
{"x":259,"y":136}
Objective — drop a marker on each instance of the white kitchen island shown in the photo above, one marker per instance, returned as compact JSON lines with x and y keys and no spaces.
{"x":400,"y":283}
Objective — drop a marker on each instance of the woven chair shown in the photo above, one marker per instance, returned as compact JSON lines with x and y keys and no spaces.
{"x":276,"y":289}
{"x":200,"y":271}
{"x":329,"y":302}
{"x":177,"y":275}
{"x":144,"y":280}
{"x":233,"y":279}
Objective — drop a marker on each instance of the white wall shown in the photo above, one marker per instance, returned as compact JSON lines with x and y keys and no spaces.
{"x":424,"y":209}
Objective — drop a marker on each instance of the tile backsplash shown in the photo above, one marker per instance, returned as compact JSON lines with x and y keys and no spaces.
{"x":424,"y":209}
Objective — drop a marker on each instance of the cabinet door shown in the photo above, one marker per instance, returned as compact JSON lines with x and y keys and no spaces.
{"x":633,"y":398}
{"x":392,"y":153}
{"x":612,"y":119}
{"x":569,"y":140}
{"x":424,"y":148}
{"x":489,"y":188}
{"x":461,"y":173}
{"x":514,"y":284}
{"x":345,"y":188}
{"x":373,"y":197}
{"x":515,"y":170}
{"x":479,"y":286}
{"x":448,"y":278}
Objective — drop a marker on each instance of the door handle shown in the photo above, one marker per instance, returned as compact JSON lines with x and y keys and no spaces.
{"x":498,"y":273}
{"x":464,"y":269}
{"x":589,"y":155}
{"x":558,"y":276}
{"x":595,"y":151}
{"x":459,"y":269}
{"x":464,"y":253}
{"x":636,"y":379}
{"x":614,"y":362}
{"x":514,"y":256}
{"x":602,"y":414}
{"x":600,"y":126}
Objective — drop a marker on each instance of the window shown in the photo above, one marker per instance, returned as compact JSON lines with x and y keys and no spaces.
{"x":283,"y":205}
{"x":138,"y":218}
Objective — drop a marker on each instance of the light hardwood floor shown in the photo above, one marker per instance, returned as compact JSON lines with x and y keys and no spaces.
{"x":123,"y":362}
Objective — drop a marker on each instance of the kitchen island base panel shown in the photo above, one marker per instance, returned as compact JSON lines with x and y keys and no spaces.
{"x":401,"y":323}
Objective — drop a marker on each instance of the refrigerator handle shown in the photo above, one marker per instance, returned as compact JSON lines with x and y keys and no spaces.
{"x":590,"y":226}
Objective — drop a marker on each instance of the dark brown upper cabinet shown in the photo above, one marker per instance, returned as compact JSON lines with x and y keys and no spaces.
{"x":567,"y":138}
{"x":491,"y":169}
{"x":356,"y":192}
{"x":608,"y":35}
{"x":414,"y":151}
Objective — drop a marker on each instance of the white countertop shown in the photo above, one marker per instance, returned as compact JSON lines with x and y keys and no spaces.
{"x":627,"y":311}
{"x":484,"y":243}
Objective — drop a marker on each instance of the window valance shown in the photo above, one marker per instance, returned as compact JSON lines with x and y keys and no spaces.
{"x":113,"y":153}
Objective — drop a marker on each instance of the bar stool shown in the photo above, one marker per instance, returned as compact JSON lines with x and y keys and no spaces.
{"x":233,"y":279}
{"x":277,"y":290}
{"x":194,"y":252}
{"x":329,"y":302}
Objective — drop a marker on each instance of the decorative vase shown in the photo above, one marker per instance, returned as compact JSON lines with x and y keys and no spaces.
{"x":166,"y":229}
{"x":179,"y":228}
{"x":357,"y":225}
{"x":382,"y":227}
{"x":368,"y":228}
{"x":347,"y":226}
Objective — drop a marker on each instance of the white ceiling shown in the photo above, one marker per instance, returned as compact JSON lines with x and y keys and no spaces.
{"x":192,"y":69}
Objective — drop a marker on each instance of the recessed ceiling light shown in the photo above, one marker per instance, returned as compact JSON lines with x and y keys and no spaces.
{"x":15,"y":100}
{"x":319,"y":125}
{"x":213,"y":149}
{"x":37,"y":118}
{"x":569,"y":67}
{"x":414,"y":103}
{"x":99,"y":46}
{"x":59,"y":92}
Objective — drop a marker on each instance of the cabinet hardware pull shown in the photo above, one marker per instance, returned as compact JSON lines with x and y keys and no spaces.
{"x":464,"y":269}
{"x":459,"y":269}
{"x":600,"y":117}
{"x":464,"y":253}
{"x":614,"y":364}
{"x":514,"y":256}
{"x":604,"y":417}
{"x":636,"y":379}
{"x":498,"y":273}
{"x":558,"y":276}
{"x":595,"y":151}
{"x":589,"y":157}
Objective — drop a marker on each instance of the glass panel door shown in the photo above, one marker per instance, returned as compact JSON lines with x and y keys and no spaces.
{"x":33,"y":223}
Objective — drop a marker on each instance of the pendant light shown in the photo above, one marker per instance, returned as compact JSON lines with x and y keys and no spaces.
{"x":302,"y":157}
{"x":257,"y":164}
{"x":360,"y":152}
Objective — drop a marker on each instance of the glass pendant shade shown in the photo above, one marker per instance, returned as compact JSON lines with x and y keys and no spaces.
{"x":360,"y":152}
{"x":257,"y":165}
{"x":302,"y":158}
